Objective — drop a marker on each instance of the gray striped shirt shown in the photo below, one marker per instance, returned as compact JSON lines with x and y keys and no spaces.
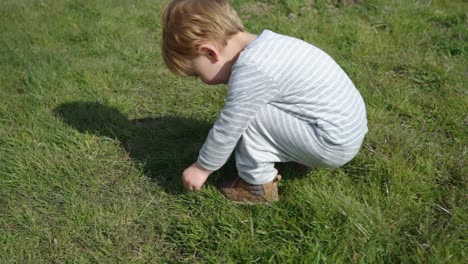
{"x":293,"y":76}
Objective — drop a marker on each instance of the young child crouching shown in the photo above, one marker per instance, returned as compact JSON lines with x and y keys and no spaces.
{"x":287,"y":99}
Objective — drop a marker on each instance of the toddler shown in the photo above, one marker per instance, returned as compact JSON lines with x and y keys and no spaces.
{"x":287,"y":99}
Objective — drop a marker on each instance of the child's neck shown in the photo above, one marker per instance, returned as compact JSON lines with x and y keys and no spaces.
{"x":242,"y":39}
{"x":235,"y":46}
{"x":237,"y":43}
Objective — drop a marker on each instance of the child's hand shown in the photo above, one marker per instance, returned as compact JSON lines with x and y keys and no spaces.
{"x":195,"y":176}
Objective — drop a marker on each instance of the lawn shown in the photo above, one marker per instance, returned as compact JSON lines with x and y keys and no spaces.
{"x":95,"y":133}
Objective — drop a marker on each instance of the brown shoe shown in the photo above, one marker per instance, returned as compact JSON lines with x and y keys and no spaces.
{"x":239,"y":191}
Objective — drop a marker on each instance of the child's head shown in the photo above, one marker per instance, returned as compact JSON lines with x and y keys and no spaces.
{"x":187,"y":24}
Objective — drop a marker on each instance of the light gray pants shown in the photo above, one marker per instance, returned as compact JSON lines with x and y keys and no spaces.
{"x":277,"y":136}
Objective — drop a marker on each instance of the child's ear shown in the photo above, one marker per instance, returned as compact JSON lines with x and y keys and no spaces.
{"x":210,"y":51}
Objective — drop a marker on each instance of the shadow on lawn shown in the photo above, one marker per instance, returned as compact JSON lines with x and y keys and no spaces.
{"x":165,"y":145}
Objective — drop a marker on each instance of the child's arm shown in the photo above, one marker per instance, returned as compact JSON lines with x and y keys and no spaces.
{"x":247,"y":94}
{"x":249,"y":91}
{"x":195,"y":176}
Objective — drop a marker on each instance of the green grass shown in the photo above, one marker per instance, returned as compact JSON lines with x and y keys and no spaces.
{"x":95,"y":132}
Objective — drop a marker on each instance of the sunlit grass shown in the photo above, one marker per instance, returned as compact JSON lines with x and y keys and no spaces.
{"x":95,"y":132}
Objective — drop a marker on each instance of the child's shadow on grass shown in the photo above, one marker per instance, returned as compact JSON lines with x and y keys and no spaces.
{"x":164,"y":145}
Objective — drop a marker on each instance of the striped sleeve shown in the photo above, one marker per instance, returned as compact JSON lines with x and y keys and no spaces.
{"x":249,"y":90}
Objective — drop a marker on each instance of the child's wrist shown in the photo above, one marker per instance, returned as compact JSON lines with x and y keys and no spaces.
{"x":200,"y":167}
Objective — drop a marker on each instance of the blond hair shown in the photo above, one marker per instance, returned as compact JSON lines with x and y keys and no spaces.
{"x":187,"y":24}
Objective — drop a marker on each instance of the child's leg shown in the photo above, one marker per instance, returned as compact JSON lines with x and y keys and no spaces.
{"x":277,"y":136}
